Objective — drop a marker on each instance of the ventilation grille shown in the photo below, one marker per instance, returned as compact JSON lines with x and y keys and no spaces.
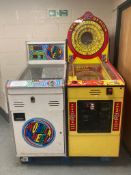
{"x":18,"y":104}
{"x":95,"y":92}
{"x":54,"y":103}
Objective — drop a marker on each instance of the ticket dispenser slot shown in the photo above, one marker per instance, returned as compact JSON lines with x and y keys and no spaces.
{"x":19,"y":116}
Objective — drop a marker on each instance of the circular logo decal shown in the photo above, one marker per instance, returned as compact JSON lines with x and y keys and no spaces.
{"x":54,"y":52}
{"x":38,"y":132}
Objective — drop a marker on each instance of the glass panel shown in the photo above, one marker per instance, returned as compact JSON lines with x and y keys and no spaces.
{"x":87,"y":72}
{"x":43,"y":72}
{"x":91,"y":72}
{"x":110,"y":72}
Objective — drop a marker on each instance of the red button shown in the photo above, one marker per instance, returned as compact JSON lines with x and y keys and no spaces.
{"x":109,"y":91}
{"x":74,"y":82}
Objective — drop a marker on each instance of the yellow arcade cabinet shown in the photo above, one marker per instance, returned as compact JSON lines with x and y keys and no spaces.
{"x":95,"y":91}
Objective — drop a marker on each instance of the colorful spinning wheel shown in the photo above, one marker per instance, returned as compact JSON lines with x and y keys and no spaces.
{"x":87,"y":37}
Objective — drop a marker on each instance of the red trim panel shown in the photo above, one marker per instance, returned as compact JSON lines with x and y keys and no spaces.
{"x":72,"y":113}
{"x":117,"y":114}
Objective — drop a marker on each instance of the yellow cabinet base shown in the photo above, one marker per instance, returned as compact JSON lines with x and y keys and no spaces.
{"x":94,"y":146}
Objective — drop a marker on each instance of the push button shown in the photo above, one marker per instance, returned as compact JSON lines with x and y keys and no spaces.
{"x":74,"y":82}
{"x":109,"y":91}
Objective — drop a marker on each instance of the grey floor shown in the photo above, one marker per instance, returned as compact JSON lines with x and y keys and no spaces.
{"x":10,"y":165}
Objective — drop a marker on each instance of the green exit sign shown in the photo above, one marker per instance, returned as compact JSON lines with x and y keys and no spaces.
{"x":57,"y":13}
{"x":63,"y":12}
{"x":52,"y":13}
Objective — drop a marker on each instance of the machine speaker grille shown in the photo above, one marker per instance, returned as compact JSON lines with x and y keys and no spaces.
{"x":95,"y":92}
{"x":54,"y":103}
{"x":18,"y":104}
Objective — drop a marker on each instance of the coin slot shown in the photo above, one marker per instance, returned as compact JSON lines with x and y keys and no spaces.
{"x":32,"y":99}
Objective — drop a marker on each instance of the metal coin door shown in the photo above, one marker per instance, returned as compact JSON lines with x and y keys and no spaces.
{"x":36,"y":102}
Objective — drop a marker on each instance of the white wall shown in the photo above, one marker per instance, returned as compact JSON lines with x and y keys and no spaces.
{"x":27,"y":20}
